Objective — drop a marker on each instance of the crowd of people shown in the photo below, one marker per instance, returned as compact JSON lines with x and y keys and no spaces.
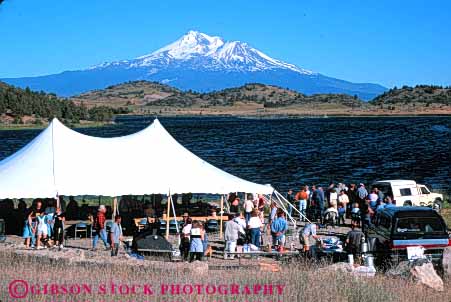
{"x":246,"y":225}
{"x":244,"y":230}
{"x":43,"y":227}
{"x":43,"y":224}
{"x":337,"y":202}
{"x":194,"y":239}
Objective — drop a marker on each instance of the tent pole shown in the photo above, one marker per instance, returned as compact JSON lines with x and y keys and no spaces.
{"x":167,"y":215}
{"x":175,"y":220}
{"x":114,"y":208}
{"x":284,"y":199}
{"x":221,"y":218}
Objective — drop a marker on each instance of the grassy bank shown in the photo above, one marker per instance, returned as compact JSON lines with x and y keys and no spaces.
{"x":37,"y":127}
{"x":301,"y":282}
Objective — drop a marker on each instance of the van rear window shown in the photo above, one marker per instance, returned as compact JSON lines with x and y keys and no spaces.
{"x":405,"y":192}
{"x":423,"y":225}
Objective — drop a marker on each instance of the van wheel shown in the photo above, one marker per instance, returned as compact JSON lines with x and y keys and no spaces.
{"x":407,"y":203}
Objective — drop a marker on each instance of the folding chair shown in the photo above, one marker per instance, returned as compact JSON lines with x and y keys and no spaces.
{"x":81,"y":227}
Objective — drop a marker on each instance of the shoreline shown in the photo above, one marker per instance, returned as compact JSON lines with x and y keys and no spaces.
{"x":43,"y":126}
{"x":200,"y":114}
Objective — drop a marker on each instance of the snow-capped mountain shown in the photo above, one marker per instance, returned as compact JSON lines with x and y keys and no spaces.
{"x":212,"y":52}
{"x":199,"y":62}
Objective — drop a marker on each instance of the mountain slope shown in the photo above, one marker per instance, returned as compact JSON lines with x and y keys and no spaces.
{"x":199,"y":62}
{"x":420,"y":94}
{"x":143,"y":94}
{"x":26,"y":106}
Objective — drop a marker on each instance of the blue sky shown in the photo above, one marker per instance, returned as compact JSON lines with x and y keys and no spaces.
{"x":385,"y":42}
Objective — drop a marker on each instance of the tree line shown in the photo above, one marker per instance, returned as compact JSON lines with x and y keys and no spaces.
{"x":17,"y":103}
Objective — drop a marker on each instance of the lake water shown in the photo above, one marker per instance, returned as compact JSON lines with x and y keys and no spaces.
{"x":290,"y":152}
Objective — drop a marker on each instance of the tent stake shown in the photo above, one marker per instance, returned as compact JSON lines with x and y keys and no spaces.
{"x":167,"y":215}
{"x":221,"y":218}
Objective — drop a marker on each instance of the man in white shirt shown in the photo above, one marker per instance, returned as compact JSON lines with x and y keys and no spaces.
{"x":248,"y":207}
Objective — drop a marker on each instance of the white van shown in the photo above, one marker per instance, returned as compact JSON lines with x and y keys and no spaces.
{"x":409,"y":193}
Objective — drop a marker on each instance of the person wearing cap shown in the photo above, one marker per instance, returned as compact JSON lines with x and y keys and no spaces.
{"x":98,"y":226}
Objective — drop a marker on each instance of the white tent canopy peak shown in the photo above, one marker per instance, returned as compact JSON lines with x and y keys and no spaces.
{"x":61,"y":161}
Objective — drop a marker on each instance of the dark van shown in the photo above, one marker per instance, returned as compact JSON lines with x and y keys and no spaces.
{"x":396,"y":228}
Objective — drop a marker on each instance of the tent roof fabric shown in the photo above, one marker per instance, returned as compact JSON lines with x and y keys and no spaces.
{"x":61,"y":161}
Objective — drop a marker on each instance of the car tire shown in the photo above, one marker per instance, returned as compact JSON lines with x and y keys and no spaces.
{"x":407,"y":203}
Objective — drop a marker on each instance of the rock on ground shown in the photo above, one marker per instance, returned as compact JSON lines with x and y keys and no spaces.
{"x":447,"y":261}
{"x":426,"y":274}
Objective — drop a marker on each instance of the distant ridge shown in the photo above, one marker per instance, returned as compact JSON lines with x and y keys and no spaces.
{"x":201,"y":63}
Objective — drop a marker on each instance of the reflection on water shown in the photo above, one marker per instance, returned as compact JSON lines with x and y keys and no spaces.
{"x":290,"y":152}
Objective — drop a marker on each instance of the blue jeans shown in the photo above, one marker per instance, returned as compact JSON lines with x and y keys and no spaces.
{"x":95,"y":238}
{"x":290,"y":210}
{"x":302,"y":207}
{"x":247,"y":216}
{"x":255,"y":237}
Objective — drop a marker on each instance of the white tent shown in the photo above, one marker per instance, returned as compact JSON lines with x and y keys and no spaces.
{"x":60,"y":161}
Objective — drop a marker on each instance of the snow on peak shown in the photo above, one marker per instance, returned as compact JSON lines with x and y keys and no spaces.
{"x":191,"y":44}
{"x":213,"y":53}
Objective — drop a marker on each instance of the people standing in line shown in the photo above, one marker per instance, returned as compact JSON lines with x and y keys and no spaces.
{"x":231,"y":235}
{"x":380,"y":194}
{"x":343,"y":199}
{"x":278,"y":229}
{"x":99,"y":227}
{"x":320,"y":202}
{"x":290,"y":199}
{"x":366,"y":212}
{"x":29,"y":230}
{"x":248,"y":207}
{"x":342,"y":187}
{"x":42,"y":230}
{"x":353,"y":240}
{"x":356,"y":217}
{"x":234,"y":207}
{"x":362,"y":193}
{"x":205,"y":238}
{"x":353,"y":197}
{"x":329,"y":191}
{"x":255,"y":225}
{"x":311,"y":206}
{"x":239,"y":218}
{"x":341,"y":215}
{"x":185,"y":239}
{"x":333,"y":198}
{"x":58,"y":228}
{"x":302,"y":197}
{"x":261,"y":205}
{"x":373,"y":199}
{"x":116,"y":235}
{"x":196,"y":249}
{"x":307,"y":190}
{"x":185,"y":218}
